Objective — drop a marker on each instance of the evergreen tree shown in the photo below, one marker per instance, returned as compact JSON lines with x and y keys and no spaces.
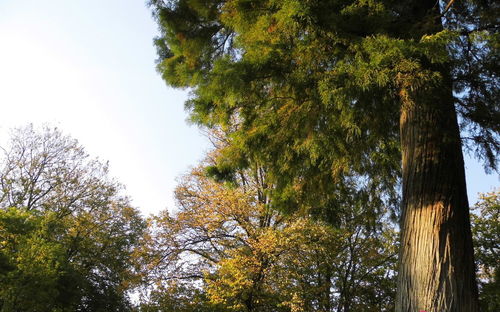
{"x":330,"y":92}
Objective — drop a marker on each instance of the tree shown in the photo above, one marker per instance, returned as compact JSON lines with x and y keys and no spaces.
{"x":486,"y":233}
{"x":215,"y":225}
{"x":35,"y":264}
{"x":324,"y":92}
{"x":178,"y":298}
{"x":66,"y":233}
{"x":226,"y":248}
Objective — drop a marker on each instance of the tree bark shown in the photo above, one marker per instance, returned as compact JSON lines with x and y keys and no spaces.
{"x":436,"y":262}
{"x":436,"y":259}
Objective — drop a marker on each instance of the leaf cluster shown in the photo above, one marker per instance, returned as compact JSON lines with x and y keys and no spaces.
{"x":486,"y":233}
{"x":66,"y":233}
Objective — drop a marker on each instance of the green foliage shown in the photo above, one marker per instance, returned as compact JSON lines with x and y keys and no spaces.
{"x":66,"y":234}
{"x":179,"y":298}
{"x":319,"y":93}
{"x":313,"y":89}
{"x":226,"y":247}
{"x":486,"y":233}
{"x":35,"y":262}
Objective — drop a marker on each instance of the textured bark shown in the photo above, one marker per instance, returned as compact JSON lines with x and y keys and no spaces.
{"x":436,"y":259}
{"x":436,"y":265}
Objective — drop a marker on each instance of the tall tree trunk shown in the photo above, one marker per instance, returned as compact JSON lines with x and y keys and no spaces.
{"x":436,"y":260}
{"x":436,"y":264}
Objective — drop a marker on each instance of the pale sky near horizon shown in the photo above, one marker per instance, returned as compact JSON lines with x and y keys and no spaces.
{"x":87,"y":66}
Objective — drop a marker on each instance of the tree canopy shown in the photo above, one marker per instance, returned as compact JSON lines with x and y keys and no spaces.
{"x":351,"y":98}
{"x":227,"y":250}
{"x":66,"y":232}
{"x":316,"y":86}
{"x":486,"y":230}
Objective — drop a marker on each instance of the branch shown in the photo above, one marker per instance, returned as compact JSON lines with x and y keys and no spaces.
{"x":448,"y":6}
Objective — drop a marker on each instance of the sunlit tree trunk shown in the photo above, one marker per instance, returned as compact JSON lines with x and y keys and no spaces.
{"x":436,"y":265}
{"x":436,"y":260}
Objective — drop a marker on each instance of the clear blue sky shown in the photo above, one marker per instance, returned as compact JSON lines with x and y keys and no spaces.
{"x":87,"y":66}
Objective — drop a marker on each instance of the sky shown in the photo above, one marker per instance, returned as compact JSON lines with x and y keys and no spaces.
{"x":87,"y":67}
